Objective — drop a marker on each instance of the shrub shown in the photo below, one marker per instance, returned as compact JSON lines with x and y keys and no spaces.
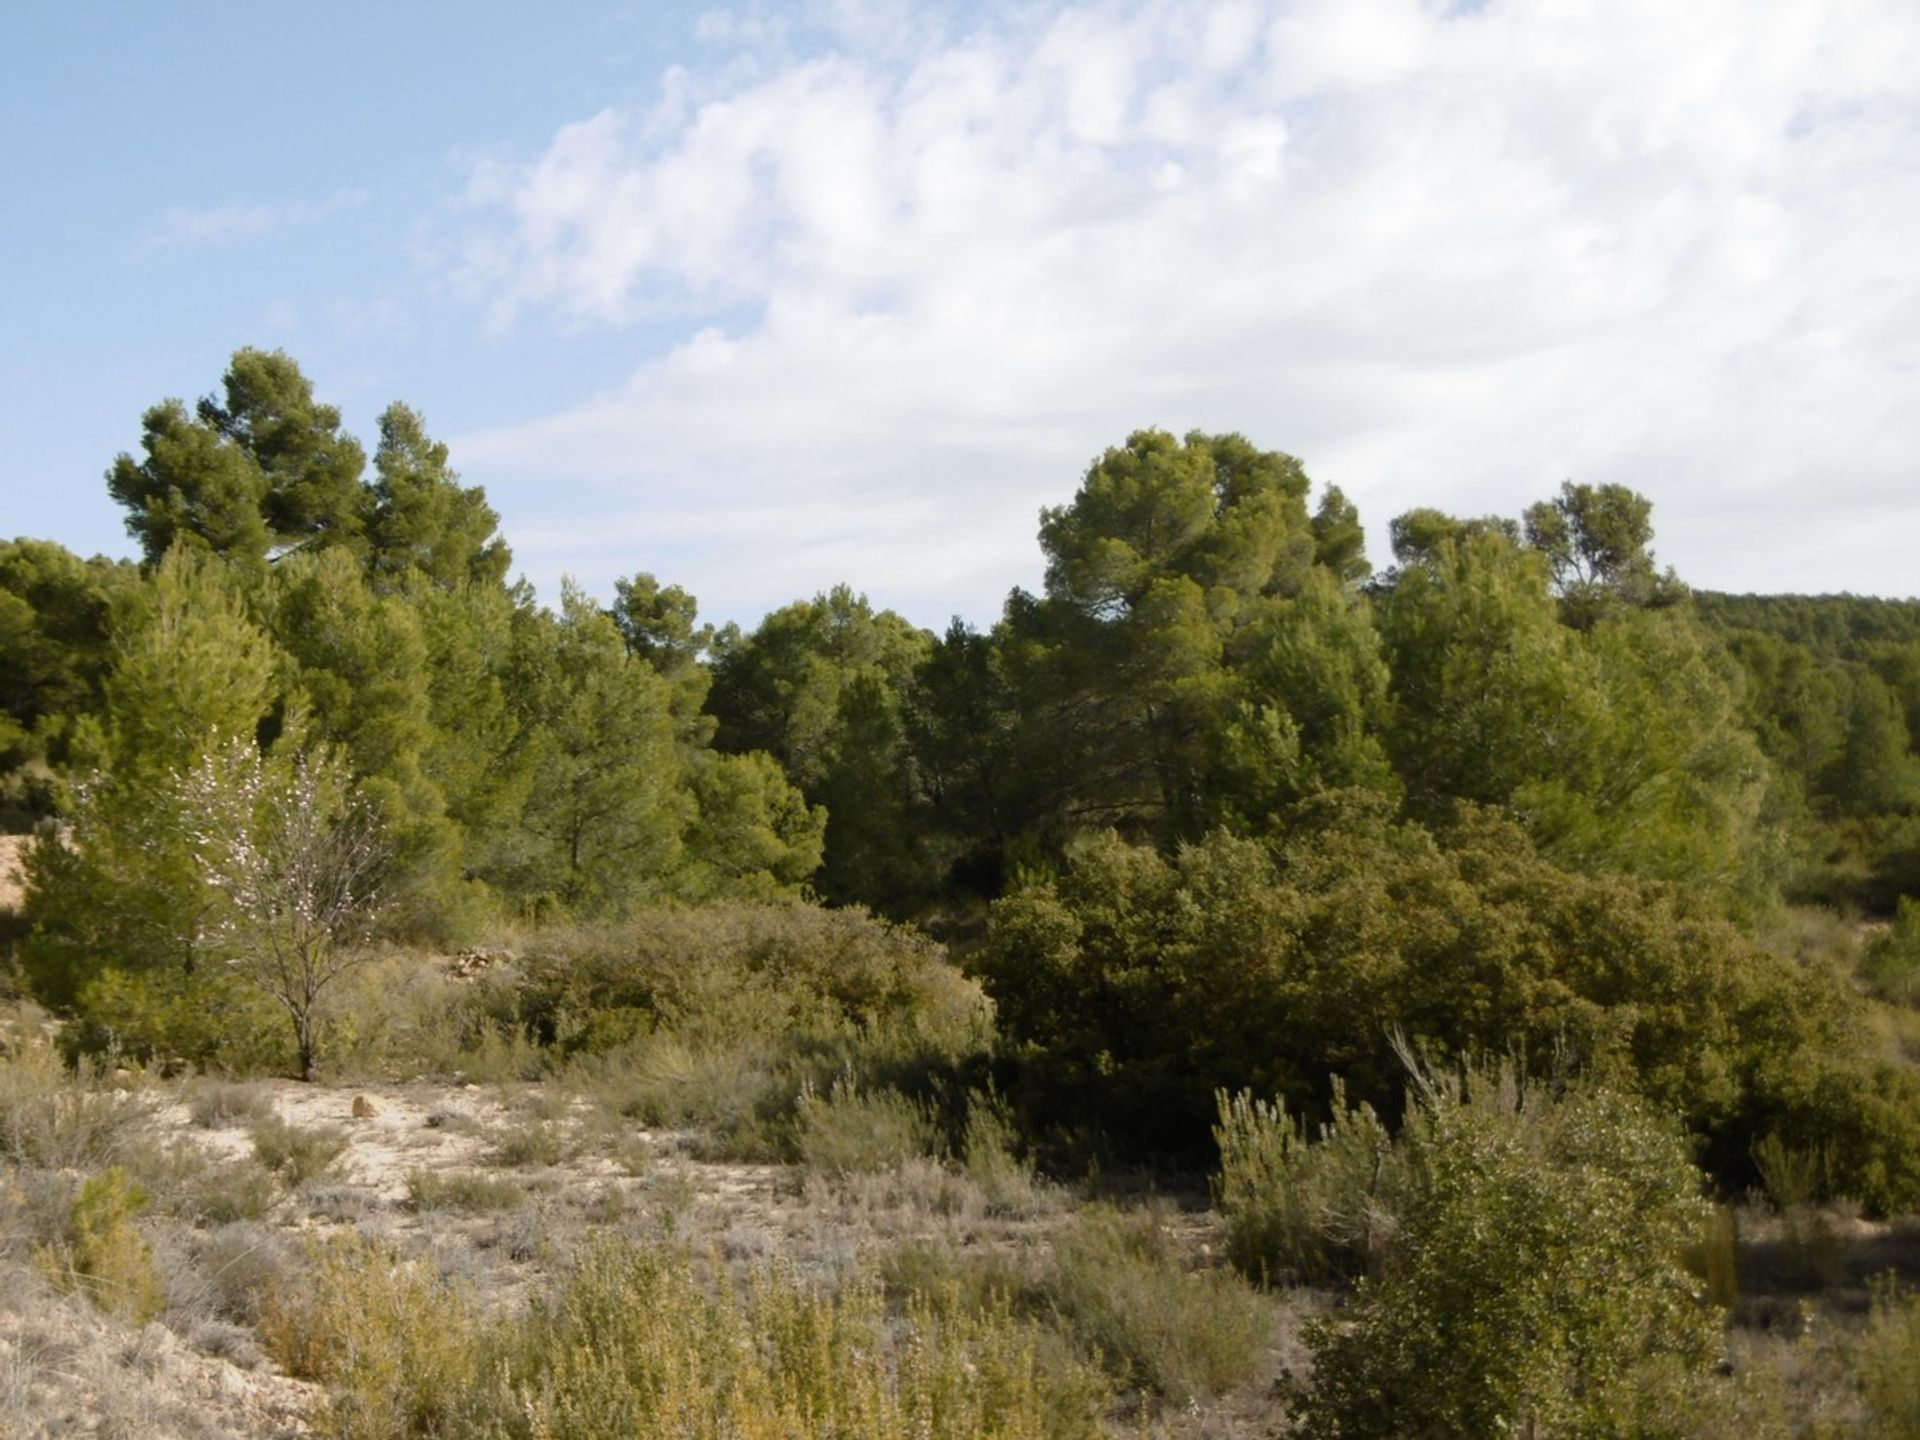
{"x":1889,"y":1364}
{"x":217,"y":1104}
{"x":992,"y":1160}
{"x":397,"y":1346}
{"x":103,"y":1254}
{"x":847,"y":1132}
{"x":63,"y":1119}
{"x":634,"y":1343}
{"x":1299,"y":1209}
{"x":1536,"y":1275}
{"x":534,"y":1143}
{"x":467,"y":1191}
{"x":728,"y":971}
{"x":1138,"y":984}
{"x":1187,"y":1336}
{"x":185,"y":1181}
{"x":294,"y":1153}
{"x":1890,"y":962}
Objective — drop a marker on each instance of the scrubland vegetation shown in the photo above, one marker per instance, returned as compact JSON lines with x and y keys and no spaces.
{"x":1241,"y":993}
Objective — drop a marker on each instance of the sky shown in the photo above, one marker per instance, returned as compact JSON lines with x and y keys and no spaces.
{"x":767,"y":298}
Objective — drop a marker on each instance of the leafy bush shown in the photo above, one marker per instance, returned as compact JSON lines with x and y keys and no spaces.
{"x":1138,"y":984}
{"x":1890,"y":962}
{"x":991,"y":1158}
{"x":1300,"y":1209}
{"x":1536,"y":1275}
{"x":220,"y":1103}
{"x":533,"y":1143}
{"x":1889,"y":1364}
{"x":733,"y":970}
{"x":103,"y":1254}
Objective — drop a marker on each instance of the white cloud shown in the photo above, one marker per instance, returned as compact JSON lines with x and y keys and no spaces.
{"x":187,"y":228}
{"x":1448,"y":255}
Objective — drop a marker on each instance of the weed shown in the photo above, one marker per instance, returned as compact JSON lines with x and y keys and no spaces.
{"x":470,"y":1191}
{"x":103,"y":1254}
{"x":294,"y":1153}
{"x":1118,"y":1283}
{"x":847,"y":1132}
{"x":219,"y":1104}
{"x":534,"y":1143}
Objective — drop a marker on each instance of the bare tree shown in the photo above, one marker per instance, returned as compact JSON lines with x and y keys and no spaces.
{"x":297,"y":858}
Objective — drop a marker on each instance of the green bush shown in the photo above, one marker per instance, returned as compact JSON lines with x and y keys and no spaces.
{"x":1119,"y":1285}
{"x":532,"y":1143}
{"x":1137,"y":984}
{"x":1889,"y":1364}
{"x":728,"y":971}
{"x":397,"y":1346}
{"x":64,"y":1119}
{"x":464,"y":1191}
{"x":1300,"y":1209}
{"x":1536,"y":1276}
{"x":635,"y":1343}
{"x":851,"y":1132}
{"x":103,"y":1254}
{"x":216,"y":1104}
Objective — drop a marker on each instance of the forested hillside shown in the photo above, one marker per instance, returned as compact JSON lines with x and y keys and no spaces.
{"x":1225,"y":808}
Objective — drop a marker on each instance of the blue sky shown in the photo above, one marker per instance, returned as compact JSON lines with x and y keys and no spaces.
{"x":765,"y":298}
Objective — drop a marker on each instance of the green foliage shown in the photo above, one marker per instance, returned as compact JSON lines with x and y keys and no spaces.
{"x":421,"y":520}
{"x":396,"y":1345}
{"x":468,"y":1192}
{"x":102,"y":1253}
{"x":606,"y":807}
{"x":1889,"y":1364}
{"x":1890,"y":961}
{"x":733,"y":971}
{"x":295,"y":1153}
{"x":1140,"y":984}
{"x":1306,"y":1208}
{"x":55,"y":1118}
{"x":822,"y":686}
{"x":1116,"y":1281}
{"x":848,"y":1131}
{"x":1536,"y":1272}
{"x":634,"y":1343}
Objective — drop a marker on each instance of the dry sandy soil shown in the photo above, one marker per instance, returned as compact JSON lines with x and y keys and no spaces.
{"x":67,"y":1370}
{"x":11,"y":849}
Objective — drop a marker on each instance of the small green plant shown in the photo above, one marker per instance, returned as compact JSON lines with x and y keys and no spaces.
{"x":466,"y":1191}
{"x":396,"y":1344}
{"x":294,"y":1153}
{"x":63,"y":1119}
{"x":1889,"y":1363}
{"x":103,"y":1253}
{"x":1794,"y":1179}
{"x":992,"y":1159}
{"x":1305,"y":1208}
{"x":851,"y":1132}
{"x":1890,"y":961}
{"x":534,"y":1143}
{"x":635,"y":1342}
{"x":1117,"y":1281}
